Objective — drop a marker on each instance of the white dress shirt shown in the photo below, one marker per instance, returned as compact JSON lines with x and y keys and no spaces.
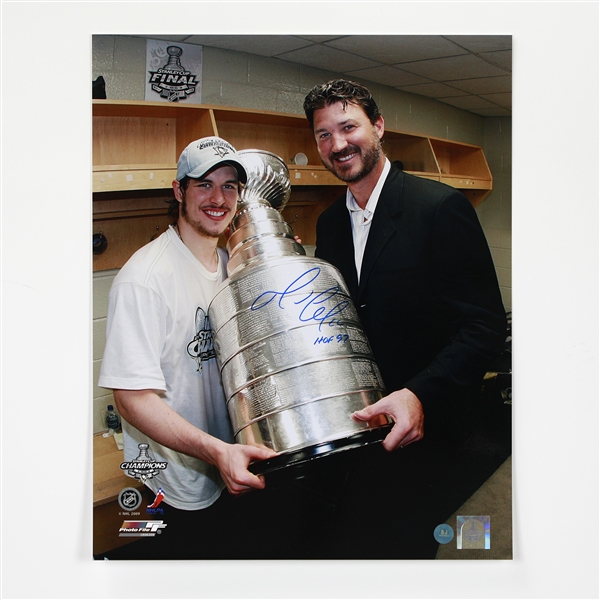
{"x":361,"y":219}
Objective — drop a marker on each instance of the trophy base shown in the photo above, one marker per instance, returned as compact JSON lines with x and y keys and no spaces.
{"x":297,"y":461}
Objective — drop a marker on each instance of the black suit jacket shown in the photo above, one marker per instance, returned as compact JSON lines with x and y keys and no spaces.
{"x":428,"y":296}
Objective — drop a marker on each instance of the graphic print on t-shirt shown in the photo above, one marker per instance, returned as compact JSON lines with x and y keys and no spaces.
{"x":201,"y":348}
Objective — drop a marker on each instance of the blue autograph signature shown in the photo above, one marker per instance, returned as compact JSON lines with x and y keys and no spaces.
{"x":313,"y":309}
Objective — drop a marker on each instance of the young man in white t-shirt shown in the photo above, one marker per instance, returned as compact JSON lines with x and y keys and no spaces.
{"x":160,"y":361}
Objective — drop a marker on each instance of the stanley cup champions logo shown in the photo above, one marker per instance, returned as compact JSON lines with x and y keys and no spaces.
{"x":172,"y":81}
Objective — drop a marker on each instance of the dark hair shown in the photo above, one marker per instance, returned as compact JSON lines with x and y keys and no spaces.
{"x":344,"y":91}
{"x":173,"y":210}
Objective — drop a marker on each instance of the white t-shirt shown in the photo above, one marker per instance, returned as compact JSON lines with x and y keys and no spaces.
{"x":158,"y":337}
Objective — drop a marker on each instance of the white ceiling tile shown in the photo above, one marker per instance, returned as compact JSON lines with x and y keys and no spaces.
{"x":452,"y":68}
{"x":387,"y":76}
{"x":327,"y":58}
{"x":263,"y":45}
{"x":396,"y":49}
{"x":501,"y":58}
{"x":485,"y":85}
{"x":504,"y":100}
{"x":468,"y":102}
{"x":482,"y":43}
{"x":168,"y":38}
{"x":433,"y":90}
{"x":319,"y":39}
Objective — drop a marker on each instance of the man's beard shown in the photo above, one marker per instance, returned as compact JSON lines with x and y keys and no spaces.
{"x":370,"y":158}
{"x":196,"y":225}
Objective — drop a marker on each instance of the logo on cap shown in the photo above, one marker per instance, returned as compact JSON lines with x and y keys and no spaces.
{"x":221,"y":146}
{"x":220,"y":151}
{"x":202,"y":155}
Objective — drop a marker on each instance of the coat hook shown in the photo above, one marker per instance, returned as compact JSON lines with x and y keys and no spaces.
{"x":157,"y":232}
{"x":99,"y":243}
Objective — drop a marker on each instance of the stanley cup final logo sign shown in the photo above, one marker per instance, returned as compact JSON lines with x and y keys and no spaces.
{"x":173,"y":70}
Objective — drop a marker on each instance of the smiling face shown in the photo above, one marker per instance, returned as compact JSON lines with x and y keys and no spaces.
{"x":208,"y":204}
{"x":348,"y":143}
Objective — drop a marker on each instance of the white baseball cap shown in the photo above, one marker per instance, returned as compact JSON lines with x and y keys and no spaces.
{"x":205,"y":154}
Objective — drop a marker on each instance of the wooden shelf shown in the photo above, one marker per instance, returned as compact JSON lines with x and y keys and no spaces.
{"x":424,"y":175}
{"x":460,"y":159}
{"x":415,"y":152}
{"x":284,"y":135}
{"x":122,"y":178}
{"x":312,"y":175}
{"x":466,"y":182}
{"x":136,"y":145}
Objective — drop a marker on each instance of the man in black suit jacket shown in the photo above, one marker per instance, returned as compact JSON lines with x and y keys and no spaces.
{"x":419,"y":270}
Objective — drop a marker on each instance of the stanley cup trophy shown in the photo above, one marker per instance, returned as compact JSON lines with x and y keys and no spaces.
{"x":294,"y":359}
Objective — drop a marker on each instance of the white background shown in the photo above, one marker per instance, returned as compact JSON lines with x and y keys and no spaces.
{"x":46,"y":308}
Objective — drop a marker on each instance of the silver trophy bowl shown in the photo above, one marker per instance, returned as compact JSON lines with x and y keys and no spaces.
{"x":294,"y":359}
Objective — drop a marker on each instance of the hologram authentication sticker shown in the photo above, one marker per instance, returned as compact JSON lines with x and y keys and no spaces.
{"x":472,"y":532}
